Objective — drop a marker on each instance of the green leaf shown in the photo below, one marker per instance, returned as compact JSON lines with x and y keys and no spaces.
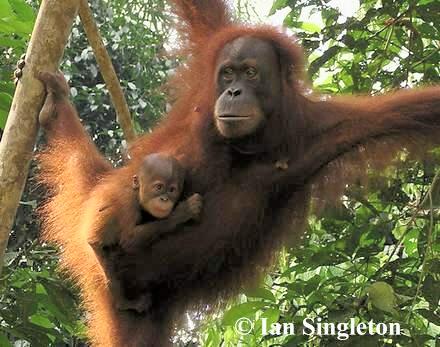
{"x":5,"y":101}
{"x":382,"y":296}
{"x":24,"y":11}
{"x":5,"y":105}
{"x":36,"y":335}
{"x":3,"y":117}
{"x":277,"y":5}
{"x":60,"y":300}
{"x":12,"y":42}
{"x":212,"y":338}
{"x":246,"y":310}
{"x":421,"y":340}
{"x":42,"y":321}
{"x":428,"y":31}
{"x":430,"y":316}
{"x":5,"y":9}
{"x":311,"y":27}
{"x":292,"y":21}
{"x":328,"y":54}
{"x":3,"y":339}
{"x":261,"y":293}
{"x":271,"y":315}
{"x":14,"y":26}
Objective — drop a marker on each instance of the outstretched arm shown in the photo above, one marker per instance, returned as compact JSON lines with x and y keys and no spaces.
{"x":359,"y":119}
{"x":341,"y":126}
{"x":373,"y":128}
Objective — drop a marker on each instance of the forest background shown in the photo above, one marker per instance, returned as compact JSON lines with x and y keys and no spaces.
{"x":374,"y":256}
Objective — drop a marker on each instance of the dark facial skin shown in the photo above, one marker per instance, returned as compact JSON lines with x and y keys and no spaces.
{"x":159,"y":184}
{"x":248,"y":85}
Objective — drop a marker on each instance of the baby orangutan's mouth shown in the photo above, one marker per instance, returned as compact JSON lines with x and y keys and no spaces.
{"x":232,"y":117}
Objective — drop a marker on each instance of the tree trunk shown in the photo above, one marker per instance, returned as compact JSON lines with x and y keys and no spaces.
{"x":49,"y":37}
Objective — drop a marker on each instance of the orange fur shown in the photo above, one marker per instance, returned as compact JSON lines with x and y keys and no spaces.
{"x":243,"y":222}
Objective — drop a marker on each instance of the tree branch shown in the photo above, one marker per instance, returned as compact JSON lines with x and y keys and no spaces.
{"x":107,"y":71}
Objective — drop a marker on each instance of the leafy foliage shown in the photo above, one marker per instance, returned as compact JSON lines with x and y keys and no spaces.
{"x":37,"y":306}
{"x":16,"y":22}
{"x":135,"y":34}
{"x":375,"y":256}
{"x":386,"y":44}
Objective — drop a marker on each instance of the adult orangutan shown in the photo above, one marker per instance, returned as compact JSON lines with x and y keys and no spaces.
{"x":253,"y":145}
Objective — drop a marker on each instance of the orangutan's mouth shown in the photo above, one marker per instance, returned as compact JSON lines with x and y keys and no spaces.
{"x":232,"y":117}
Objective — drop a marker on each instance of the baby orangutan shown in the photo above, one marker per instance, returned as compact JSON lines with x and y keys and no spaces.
{"x":156,"y":189}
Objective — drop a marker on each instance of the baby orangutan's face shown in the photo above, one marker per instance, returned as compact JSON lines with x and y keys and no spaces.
{"x":159,"y":183}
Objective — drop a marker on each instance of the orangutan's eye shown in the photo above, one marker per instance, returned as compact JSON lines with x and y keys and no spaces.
{"x":228,"y":74}
{"x":251,"y":73}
